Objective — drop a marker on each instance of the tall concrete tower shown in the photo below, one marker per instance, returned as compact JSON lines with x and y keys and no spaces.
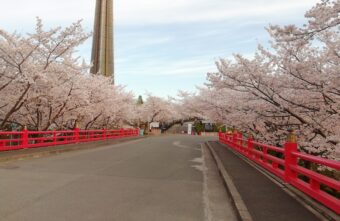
{"x":102,"y":46}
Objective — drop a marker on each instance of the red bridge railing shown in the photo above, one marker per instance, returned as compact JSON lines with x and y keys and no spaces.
{"x":285,"y":163}
{"x":31,"y":139}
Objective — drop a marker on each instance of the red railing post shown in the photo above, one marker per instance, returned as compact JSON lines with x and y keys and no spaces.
{"x":76,"y":135}
{"x":290,"y":160}
{"x":240,"y":137}
{"x":234,"y":140}
{"x":250,"y":146}
{"x":54,"y":137}
{"x":104,"y":134}
{"x":315,"y":185}
{"x":91,"y":135}
{"x":121,"y":132}
{"x":25,"y":138}
{"x":237,"y":142}
{"x":265,"y":153}
{"x":228,"y":137}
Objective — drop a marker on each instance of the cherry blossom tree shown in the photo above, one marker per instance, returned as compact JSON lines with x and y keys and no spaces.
{"x":44,"y":86}
{"x":292,"y":85}
{"x":158,"y":109}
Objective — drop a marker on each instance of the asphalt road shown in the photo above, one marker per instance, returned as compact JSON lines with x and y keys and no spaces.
{"x":158,"y":178}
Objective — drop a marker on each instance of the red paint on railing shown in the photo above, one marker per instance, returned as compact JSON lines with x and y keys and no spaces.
{"x":283,"y":162}
{"x":31,"y":139}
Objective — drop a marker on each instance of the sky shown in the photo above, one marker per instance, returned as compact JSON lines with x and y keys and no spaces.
{"x":162,"y":46}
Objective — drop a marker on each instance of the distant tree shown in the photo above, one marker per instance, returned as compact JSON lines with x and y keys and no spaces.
{"x":199,"y":127}
{"x":158,"y":109}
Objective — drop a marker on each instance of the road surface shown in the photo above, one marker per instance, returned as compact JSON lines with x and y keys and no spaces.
{"x":157,"y":178}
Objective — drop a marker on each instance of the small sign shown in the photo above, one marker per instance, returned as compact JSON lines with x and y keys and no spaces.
{"x":154,"y":125}
{"x":189,"y":128}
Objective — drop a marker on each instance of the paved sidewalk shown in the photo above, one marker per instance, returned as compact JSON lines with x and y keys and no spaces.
{"x":265,"y":200}
{"x":52,"y":150}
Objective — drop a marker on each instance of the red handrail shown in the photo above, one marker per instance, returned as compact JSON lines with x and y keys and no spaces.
{"x":30,"y":139}
{"x":283,"y":162}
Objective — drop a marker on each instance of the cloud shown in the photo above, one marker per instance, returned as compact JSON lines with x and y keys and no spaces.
{"x":190,"y":66}
{"x":132,"y":42}
{"x":137,"y":12}
{"x":186,"y":11}
{"x":51,"y":10}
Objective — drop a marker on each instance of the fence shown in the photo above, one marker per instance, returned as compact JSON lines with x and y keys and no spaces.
{"x":31,"y":139}
{"x":285,"y":163}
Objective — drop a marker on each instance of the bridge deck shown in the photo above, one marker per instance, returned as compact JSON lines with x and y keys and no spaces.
{"x":265,"y":200}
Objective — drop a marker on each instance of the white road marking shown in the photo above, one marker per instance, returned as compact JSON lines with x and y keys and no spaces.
{"x":178,"y":144}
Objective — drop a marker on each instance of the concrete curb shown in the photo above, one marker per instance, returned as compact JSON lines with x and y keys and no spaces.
{"x":240,"y":206}
{"x":314,"y":207}
{"x":42,"y":152}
